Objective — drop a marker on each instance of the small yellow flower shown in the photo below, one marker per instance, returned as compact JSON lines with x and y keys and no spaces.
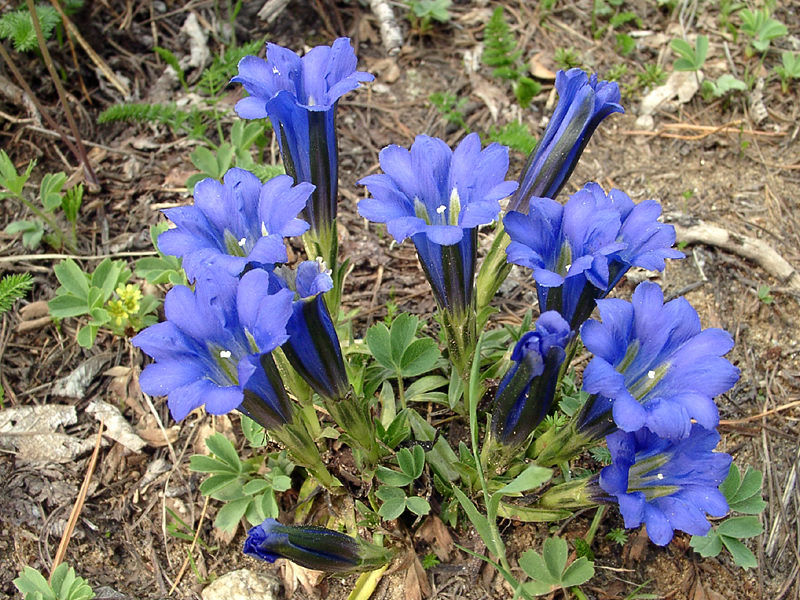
{"x":118,"y":312}
{"x":129,"y":297}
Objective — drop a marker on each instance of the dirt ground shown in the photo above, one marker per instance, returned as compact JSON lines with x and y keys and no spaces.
{"x":720,"y":163}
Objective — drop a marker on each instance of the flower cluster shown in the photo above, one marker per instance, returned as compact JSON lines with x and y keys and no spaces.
{"x":580,"y":250}
{"x":251,"y":326}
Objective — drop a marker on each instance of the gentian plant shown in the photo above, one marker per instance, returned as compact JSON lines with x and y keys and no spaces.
{"x":299,"y":96}
{"x":252,"y":322}
{"x":438,"y":197}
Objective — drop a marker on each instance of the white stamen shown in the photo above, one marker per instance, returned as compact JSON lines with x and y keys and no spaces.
{"x":224,"y":353}
{"x":242,"y":242}
{"x":568,"y":267}
{"x":264,"y":231}
{"x":275,"y":70}
{"x":441,"y":209}
{"x":651,"y":374}
{"x":660,"y":476}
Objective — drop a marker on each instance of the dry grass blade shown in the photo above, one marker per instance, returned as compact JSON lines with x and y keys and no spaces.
{"x":96,"y":58}
{"x":76,"y":508}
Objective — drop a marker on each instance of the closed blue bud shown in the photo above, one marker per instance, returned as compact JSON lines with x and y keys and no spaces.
{"x":525,"y":394}
{"x":315,"y":548}
{"x":583,"y":102}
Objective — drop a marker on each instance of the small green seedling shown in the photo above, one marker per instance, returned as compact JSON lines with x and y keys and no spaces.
{"x":422,"y":12}
{"x":761,"y":27}
{"x":549,"y":570}
{"x":764,"y":294}
{"x":394,"y":498}
{"x":788,"y":70}
{"x":691,"y":57}
{"x":12,"y":288}
{"x":64,"y":585}
{"x":238,"y":483}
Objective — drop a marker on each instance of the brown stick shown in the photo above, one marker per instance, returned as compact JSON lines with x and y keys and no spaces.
{"x":91,"y":177}
{"x":751,"y":248}
{"x":78,"y":506}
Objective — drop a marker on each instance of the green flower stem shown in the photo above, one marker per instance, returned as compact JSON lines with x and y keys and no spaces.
{"x":571,"y":495}
{"x":304,"y":451}
{"x":352,"y":415}
{"x":460,"y":330}
{"x":494,"y":269}
{"x":472,"y":397}
{"x":324,"y":244}
{"x":598,"y":517}
{"x":556,"y":447}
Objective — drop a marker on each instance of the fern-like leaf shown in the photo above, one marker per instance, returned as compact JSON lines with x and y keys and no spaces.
{"x":192,"y":121}
{"x":17,"y":26}
{"x":12,"y":288}
{"x":501,"y":48}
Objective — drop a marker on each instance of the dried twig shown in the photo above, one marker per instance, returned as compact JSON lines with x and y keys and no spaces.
{"x":390,"y":32}
{"x":751,"y":248}
{"x":96,"y":58}
{"x":76,"y":508}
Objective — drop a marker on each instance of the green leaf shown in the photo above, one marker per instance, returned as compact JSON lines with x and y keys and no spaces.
{"x":13,"y":287}
{"x":201,"y":463}
{"x":554,"y":553}
{"x":229,"y":515}
{"x":50,"y":190}
{"x":741,"y":554}
{"x":392,"y":478}
{"x":418,"y":506}
{"x":255,"y":486}
{"x":404,"y":327}
{"x":531,"y":478}
{"x":211,"y":486}
{"x":269,"y":506}
{"x":740,"y":527}
{"x":71,"y":202}
{"x":108,"y":275}
{"x":394,"y":502}
{"x":224,"y":450}
{"x":204,"y":159}
{"x":86,"y":336}
{"x":707,"y":545}
{"x":532,"y":563}
{"x":579,"y":572}
{"x":380,"y":345}
{"x":419,"y":357}
{"x":743,"y":493}
{"x":72,"y":278}
{"x":9,"y":178}
{"x":67,"y":305}
{"x":479,"y":521}
{"x":253,"y":432}
{"x":406,"y":462}
{"x":691,"y":58}
{"x":281,"y":483}
{"x":30,"y":581}
{"x":419,"y":461}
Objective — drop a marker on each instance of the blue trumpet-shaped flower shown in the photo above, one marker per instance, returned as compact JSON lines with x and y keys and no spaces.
{"x":583,"y":102}
{"x":299,"y":96}
{"x":312,"y":547}
{"x":579,"y":251}
{"x":235,"y":222}
{"x":666,"y":485}
{"x":526,"y":392}
{"x":654,"y":366}
{"x":313,"y":347}
{"x":213,"y":348}
{"x":438,"y":197}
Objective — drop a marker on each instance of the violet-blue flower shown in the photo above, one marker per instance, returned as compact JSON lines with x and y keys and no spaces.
{"x":583,"y":102}
{"x":438,"y":197}
{"x":211,"y":349}
{"x":313,"y":547}
{"x":526,"y":392}
{"x":313,"y":347}
{"x":235,"y":222}
{"x":299,"y":96}
{"x":654,"y":366}
{"x":579,"y":251}
{"x":666,"y":485}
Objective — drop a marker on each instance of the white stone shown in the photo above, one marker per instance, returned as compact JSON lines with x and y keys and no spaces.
{"x":243,"y":584}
